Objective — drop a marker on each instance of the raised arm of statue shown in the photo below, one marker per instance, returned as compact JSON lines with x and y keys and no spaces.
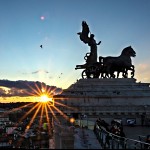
{"x":99,"y":43}
{"x":92,"y":41}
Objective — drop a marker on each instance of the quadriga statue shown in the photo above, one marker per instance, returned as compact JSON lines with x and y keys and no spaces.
{"x":107,"y":66}
{"x":122,"y":63}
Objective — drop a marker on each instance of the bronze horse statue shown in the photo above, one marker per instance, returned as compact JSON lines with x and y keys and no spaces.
{"x":122,"y":63}
{"x":107,"y":66}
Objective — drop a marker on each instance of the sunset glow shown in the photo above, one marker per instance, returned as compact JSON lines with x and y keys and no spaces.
{"x":41,"y":108}
{"x":44,"y":98}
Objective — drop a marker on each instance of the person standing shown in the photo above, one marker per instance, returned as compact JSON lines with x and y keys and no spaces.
{"x":142,"y":119}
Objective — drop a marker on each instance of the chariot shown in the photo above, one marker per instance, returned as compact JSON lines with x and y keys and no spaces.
{"x":107,"y":66}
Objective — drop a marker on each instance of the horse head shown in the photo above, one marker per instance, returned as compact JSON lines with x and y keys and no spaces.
{"x":128,"y":51}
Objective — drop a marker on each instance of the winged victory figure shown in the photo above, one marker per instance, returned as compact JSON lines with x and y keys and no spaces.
{"x":85,"y":32}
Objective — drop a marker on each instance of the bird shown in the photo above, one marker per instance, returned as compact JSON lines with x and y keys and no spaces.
{"x":41,"y":46}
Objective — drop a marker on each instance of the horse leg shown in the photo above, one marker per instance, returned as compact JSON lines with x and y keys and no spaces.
{"x":133,"y":71}
{"x":118,"y":72}
{"x":97,"y":74}
{"x":105,"y":72}
{"x":107,"y":75}
{"x":125,"y":73}
{"x":112,"y":75}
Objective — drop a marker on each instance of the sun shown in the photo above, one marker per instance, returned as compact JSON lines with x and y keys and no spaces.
{"x":44,"y":98}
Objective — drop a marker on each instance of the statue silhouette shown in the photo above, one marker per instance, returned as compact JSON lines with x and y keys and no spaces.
{"x":84,"y":36}
{"x":93,"y":47}
{"x":105,"y":67}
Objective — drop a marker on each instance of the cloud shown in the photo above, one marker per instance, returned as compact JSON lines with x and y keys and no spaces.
{"x":37,"y":71}
{"x":40,"y":71}
{"x":142,"y":72}
{"x":25,"y":88}
{"x":143,"y":67}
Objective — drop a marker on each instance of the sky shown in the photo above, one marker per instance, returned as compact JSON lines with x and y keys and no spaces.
{"x":54,"y":24}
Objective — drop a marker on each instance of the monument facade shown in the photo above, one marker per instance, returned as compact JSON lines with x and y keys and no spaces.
{"x":102,"y":92}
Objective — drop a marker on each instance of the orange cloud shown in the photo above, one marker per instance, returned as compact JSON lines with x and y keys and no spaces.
{"x":142,"y":72}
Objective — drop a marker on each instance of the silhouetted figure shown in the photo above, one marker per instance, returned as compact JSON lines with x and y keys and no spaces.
{"x":84,"y":36}
{"x":41,"y":46}
{"x":116,"y":127}
{"x":93,"y":45}
{"x":122,"y":134}
{"x":102,"y":123}
{"x":142,"y":119}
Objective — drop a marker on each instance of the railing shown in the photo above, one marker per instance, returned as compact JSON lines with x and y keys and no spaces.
{"x":111,"y":141}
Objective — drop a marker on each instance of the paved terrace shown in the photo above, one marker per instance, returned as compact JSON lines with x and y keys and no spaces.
{"x":136,"y":131}
{"x":90,"y":141}
{"x":85,"y":139}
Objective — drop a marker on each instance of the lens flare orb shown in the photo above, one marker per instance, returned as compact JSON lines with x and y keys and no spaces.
{"x":42,"y":17}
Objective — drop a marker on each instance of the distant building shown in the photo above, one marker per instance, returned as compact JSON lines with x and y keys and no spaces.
{"x":4,"y":117}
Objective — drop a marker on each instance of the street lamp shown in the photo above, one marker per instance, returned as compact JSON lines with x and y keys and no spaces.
{"x":72,"y":120}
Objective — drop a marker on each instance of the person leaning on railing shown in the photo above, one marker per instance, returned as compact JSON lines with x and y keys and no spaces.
{"x":103,"y":123}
